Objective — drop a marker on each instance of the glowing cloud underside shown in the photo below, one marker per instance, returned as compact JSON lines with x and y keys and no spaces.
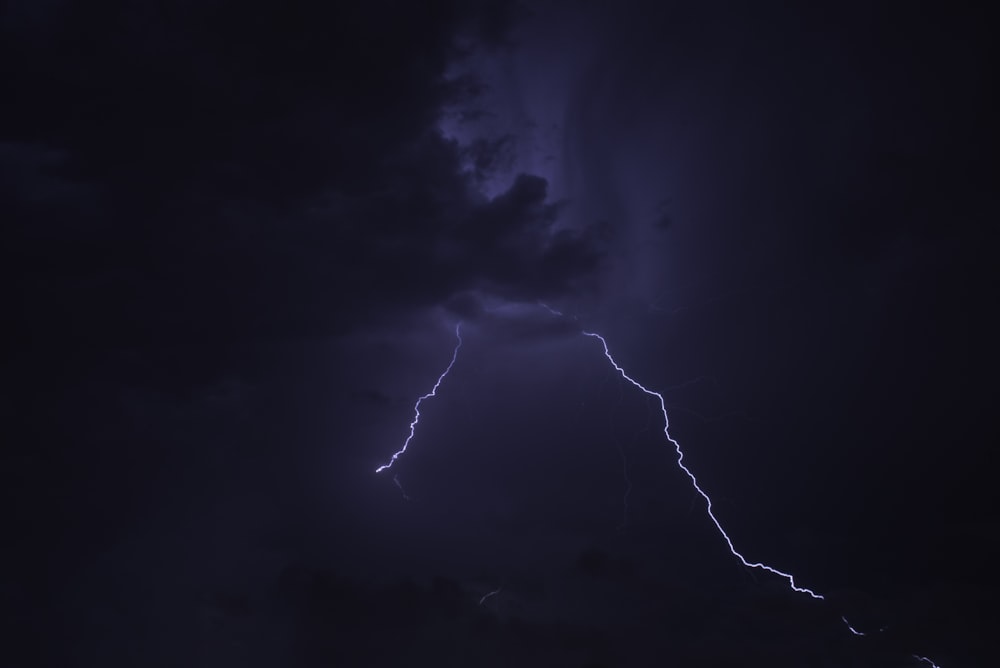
{"x":694,"y":481}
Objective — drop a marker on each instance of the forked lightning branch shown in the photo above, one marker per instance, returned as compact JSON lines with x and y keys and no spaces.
{"x":787,"y":577}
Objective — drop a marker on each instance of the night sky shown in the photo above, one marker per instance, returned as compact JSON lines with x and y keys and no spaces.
{"x":238,"y":239}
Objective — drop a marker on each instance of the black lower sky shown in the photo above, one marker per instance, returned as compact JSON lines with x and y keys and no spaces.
{"x":240,"y":237}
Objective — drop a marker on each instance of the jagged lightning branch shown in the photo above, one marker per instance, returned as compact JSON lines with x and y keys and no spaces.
{"x":416,"y":407}
{"x":708,"y":501}
{"x":694,"y":481}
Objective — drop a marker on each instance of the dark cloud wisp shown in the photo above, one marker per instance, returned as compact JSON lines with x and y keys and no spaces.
{"x":247,"y":172}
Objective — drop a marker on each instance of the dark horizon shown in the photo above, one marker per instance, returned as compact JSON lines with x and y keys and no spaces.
{"x":241,"y":237}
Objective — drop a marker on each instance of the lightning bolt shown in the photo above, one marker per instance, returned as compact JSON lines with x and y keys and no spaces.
{"x":788,"y":577}
{"x":416,"y":407}
{"x":694,"y":481}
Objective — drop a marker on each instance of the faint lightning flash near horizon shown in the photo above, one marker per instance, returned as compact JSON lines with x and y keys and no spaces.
{"x":790,"y":579}
{"x":416,"y":407}
{"x":489,"y":595}
{"x":694,"y":481}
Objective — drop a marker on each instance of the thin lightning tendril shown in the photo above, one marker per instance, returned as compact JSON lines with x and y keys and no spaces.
{"x":416,"y":406}
{"x":489,"y":595}
{"x":694,"y":481}
{"x":395,"y":479}
{"x":924,"y":659}
{"x":851,"y":628}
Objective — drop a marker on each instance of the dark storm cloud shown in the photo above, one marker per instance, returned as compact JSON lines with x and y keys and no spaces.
{"x":258,"y":170}
{"x":487,"y":155}
{"x":192,"y":189}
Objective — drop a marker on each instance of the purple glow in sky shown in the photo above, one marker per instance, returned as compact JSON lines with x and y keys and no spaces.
{"x":240,"y":235}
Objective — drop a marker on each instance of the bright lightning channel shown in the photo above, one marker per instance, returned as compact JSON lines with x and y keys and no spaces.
{"x":416,"y":407}
{"x":694,"y":481}
{"x":708,"y":501}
